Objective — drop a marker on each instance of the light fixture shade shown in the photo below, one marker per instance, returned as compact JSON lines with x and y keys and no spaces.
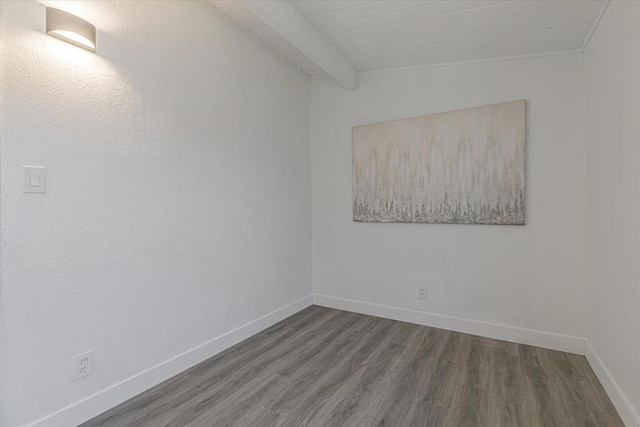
{"x":71,"y":29}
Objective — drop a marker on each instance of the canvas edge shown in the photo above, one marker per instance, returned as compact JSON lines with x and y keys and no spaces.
{"x":364,"y":221}
{"x":439,"y":113}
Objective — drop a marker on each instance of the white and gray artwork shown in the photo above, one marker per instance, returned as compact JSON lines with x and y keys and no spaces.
{"x":460,"y":167}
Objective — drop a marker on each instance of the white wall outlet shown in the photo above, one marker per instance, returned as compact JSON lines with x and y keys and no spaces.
{"x":422,"y":292}
{"x":82,"y":365}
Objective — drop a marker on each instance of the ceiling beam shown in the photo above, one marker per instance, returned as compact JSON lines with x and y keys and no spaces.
{"x":282,"y":18}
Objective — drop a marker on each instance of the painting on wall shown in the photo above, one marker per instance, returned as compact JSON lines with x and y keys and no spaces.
{"x":459,"y":167}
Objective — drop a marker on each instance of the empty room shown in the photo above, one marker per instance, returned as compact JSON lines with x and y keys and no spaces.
{"x":320,"y":213}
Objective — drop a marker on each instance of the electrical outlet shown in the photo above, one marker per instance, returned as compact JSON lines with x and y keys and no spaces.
{"x":422,"y":292}
{"x":82,"y":365}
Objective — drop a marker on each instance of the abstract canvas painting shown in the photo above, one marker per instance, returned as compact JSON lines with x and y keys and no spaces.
{"x":459,"y":167}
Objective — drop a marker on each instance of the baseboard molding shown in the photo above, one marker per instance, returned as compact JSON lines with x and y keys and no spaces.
{"x":627,"y":412}
{"x":106,"y":399}
{"x":549,"y":340}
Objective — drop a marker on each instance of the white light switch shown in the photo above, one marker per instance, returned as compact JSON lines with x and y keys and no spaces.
{"x":34,"y":179}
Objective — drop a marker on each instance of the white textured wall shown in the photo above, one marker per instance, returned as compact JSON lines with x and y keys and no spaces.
{"x":179,"y":193}
{"x":527,"y":277}
{"x":612,"y":79}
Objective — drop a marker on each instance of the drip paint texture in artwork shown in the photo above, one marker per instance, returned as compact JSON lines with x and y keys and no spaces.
{"x":460,"y":167}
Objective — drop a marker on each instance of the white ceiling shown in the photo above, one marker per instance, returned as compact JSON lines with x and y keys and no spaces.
{"x":373,"y":35}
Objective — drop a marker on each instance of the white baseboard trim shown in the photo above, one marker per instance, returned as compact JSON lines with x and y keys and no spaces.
{"x":627,"y":412}
{"x":106,"y":399}
{"x":549,"y":340}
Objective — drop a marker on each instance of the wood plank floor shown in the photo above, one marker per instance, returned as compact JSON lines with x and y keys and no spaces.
{"x":325,"y":367}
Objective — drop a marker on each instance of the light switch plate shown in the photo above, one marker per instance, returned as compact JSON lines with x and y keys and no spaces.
{"x":34,"y":179}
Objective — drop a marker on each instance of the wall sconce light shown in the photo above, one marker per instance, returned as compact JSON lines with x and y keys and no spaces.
{"x":71,"y":29}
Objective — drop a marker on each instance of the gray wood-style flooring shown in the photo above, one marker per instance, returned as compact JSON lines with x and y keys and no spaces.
{"x":325,"y":367}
